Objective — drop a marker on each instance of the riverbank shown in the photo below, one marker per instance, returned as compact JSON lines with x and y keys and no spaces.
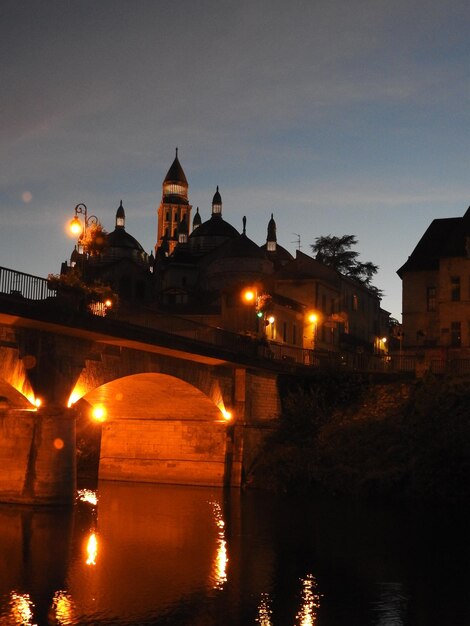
{"x":347,"y":436}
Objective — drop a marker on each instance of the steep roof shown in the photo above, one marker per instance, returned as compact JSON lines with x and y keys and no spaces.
{"x":444,"y":238}
{"x":175,"y":174}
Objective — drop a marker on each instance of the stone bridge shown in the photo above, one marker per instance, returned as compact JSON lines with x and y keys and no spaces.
{"x":179,"y":410}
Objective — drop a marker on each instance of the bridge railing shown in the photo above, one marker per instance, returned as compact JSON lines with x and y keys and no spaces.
{"x":24,"y":285}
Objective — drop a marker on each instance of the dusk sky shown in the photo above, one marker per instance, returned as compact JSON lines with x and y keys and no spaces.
{"x":337,"y":116}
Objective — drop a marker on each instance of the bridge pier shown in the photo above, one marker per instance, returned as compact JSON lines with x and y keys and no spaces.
{"x":37,"y":456}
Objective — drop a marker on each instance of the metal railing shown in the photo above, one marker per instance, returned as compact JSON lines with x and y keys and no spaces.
{"x":24,"y":285}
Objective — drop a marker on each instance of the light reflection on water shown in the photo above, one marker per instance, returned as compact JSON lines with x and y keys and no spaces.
{"x":147,"y":554}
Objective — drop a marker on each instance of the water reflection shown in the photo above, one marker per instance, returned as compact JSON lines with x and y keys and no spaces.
{"x":221,"y":556}
{"x":264,"y":611}
{"x":310,"y":602}
{"x":146,"y":555}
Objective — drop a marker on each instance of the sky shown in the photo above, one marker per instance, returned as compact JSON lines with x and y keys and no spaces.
{"x":337,"y":116}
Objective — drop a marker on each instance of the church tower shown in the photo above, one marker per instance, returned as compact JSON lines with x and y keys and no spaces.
{"x":174,"y":207}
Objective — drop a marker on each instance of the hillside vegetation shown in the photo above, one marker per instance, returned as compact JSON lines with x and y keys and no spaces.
{"x":344,"y":435}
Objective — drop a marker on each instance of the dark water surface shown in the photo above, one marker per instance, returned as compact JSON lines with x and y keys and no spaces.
{"x":148,"y":554}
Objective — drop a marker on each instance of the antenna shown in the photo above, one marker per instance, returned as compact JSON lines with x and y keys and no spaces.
{"x":297,"y":241}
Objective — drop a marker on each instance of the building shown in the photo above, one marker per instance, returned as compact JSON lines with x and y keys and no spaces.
{"x":436,"y":290}
{"x":210,"y":272}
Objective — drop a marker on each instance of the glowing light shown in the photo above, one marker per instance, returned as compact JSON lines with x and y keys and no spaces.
{"x":26,"y":196}
{"x":37,"y":402}
{"x":78,"y":392}
{"x":271,"y":319}
{"x":227,"y":414}
{"x":75,"y":226}
{"x":249,"y":296}
{"x":63,"y":608}
{"x":221,"y":556}
{"x":88,"y":495}
{"x":58,"y":443}
{"x":108,"y":303}
{"x":92,"y":549}
{"x":384,"y":340}
{"x":14,"y":371}
{"x":313,"y":318}
{"x":307,"y":616}
{"x":264,"y":611}
{"x":21,"y":609}
{"x":99,"y":413}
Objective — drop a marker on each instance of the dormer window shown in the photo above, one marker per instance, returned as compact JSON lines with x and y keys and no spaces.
{"x":271,"y":246}
{"x":119,"y":221}
{"x":183,"y":238}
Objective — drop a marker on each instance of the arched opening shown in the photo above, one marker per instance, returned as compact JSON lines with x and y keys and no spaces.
{"x":158,"y":428}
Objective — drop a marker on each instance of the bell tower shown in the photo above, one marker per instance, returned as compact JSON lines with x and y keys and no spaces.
{"x":174,"y":207}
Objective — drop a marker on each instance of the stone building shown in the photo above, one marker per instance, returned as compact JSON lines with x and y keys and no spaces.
{"x":212,"y":273}
{"x":436,"y":290}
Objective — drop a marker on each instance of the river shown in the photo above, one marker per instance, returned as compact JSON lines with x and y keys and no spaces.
{"x":137,"y":554}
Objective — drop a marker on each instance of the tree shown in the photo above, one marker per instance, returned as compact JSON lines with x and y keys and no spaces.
{"x":336,"y":252}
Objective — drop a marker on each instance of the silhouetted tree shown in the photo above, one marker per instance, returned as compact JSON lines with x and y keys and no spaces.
{"x":336,"y":252}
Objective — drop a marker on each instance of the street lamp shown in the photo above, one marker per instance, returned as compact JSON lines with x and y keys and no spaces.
{"x":313,"y":319}
{"x":77,"y":228}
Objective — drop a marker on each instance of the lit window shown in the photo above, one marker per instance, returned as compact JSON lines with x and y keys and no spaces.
{"x":271,"y":246}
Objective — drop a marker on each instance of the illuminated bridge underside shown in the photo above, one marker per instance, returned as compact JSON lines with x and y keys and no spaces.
{"x":160,"y":429}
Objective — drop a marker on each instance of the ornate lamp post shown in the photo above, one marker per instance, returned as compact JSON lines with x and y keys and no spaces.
{"x":77,"y":228}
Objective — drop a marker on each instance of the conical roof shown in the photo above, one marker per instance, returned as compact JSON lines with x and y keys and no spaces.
{"x":176,"y":174}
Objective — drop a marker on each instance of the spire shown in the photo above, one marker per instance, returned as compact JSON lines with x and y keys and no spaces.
{"x":120,"y":217}
{"x":271,"y":241}
{"x":197,"y":219}
{"x":244,"y":224}
{"x":217,"y":203}
{"x":176,"y":174}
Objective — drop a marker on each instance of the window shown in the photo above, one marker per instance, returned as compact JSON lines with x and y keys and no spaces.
{"x":354,"y":302}
{"x":431,"y":298}
{"x":455,"y":288}
{"x":294,"y":334}
{"x":284,"y":331}
{"x":455,"y":336}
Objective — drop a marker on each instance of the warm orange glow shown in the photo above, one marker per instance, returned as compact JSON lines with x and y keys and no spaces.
{"x":77,"y":393}
{"x":99,"y":413}
{"x":227,"y":414}
{"x":313,"y":318}
{"x":264,"y":611}
{"x":108,"y":303}
{"x":21,"y":608}
{"x":249,"y":295}
{"x":58,"y":443}
{"x":63,"y":607}
{"x":310,"y":603}
{"x":37,"y":402}
{"x":384,"y":340}
{"x":75,"y":226}
{"x":87,"y":495}
{"x":92,"y":549}
{"x":221,"y":557}
{"x":271,"y":319}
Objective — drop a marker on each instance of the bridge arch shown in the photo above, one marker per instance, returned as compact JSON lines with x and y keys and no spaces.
{"x":160,"y":428}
